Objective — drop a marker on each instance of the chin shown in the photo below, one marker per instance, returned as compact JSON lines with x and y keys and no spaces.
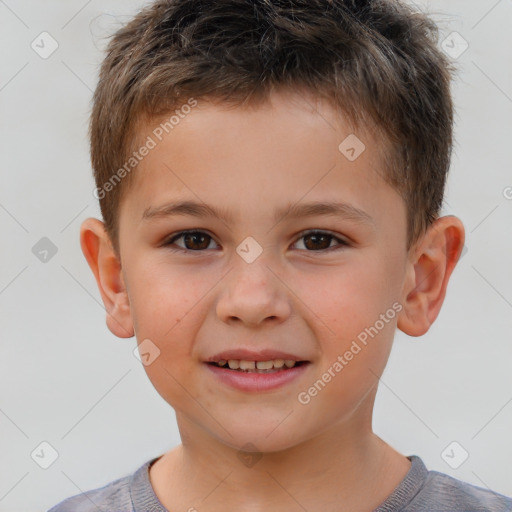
{"x":259,"y":440}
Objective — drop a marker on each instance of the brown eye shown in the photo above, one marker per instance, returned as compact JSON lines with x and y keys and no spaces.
{"x":192,"y":240}
{"x":320,"y":241}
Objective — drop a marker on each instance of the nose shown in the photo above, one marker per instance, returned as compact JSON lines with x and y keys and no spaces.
{"x":253,"y":295}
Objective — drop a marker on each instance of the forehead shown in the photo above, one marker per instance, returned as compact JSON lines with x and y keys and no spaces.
{"x":293,"y":146}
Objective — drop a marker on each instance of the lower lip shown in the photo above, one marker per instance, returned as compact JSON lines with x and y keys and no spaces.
{"x":253,"y":381}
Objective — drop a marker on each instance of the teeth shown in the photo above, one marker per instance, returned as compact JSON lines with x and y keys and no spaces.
{"x":247,"y":365}
{"x":264,"y":365}
{"x":242,"y":364}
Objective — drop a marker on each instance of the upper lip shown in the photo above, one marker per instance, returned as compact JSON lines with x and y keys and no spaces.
{"x":251,"y":355}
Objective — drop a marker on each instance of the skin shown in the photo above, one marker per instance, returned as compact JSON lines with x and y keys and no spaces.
{"x":296,"y":296}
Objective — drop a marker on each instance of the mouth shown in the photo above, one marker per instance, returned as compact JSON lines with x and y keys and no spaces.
{"x":247,"y":366}
{"x":257,"y":371}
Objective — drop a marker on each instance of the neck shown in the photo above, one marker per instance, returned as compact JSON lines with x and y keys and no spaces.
{"x":346,"y":468}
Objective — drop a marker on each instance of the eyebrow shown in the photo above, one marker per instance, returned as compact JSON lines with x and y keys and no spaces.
{"x":293,"y":211}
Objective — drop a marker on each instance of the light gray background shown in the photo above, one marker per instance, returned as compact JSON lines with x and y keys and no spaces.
{"x":67,"y":380}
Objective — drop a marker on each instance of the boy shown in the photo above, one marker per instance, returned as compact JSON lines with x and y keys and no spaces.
{"x":263,"y":128}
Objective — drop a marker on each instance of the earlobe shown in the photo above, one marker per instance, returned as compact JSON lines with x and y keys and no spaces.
{"x":428,"y":273}
{"x":106,"y":267}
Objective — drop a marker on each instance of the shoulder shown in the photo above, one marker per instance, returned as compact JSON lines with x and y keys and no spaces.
{"x":113,"y":496}
{"x":443,"y":492}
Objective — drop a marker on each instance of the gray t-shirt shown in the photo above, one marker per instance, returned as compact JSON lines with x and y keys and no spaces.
{"x":420,"y":491}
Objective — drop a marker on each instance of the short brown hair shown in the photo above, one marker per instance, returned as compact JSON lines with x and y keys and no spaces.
{"x":377,"y":60}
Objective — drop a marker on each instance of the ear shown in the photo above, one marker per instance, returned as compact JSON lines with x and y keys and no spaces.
{"x":106,"y":267}
{"x":431,"y":262}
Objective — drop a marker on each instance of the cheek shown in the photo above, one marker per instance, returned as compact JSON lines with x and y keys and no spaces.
{"x":162,"y":298}
{"x":165,"y":305}
{"x":356,"y":345}
{"x":355,"y":320}
{"x":346,"y":300}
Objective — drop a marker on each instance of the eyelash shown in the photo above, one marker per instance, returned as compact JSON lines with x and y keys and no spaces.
{"x":341,"y":245}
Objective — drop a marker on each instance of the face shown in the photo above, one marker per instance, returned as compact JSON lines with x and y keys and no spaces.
{"x":272,"y":274}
